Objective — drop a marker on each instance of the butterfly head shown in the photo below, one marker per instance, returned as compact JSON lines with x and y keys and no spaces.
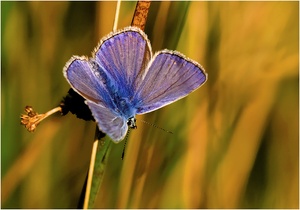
{"x":131,"y":122}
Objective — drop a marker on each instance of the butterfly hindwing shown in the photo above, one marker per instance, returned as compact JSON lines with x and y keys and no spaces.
{"x":125,"y":54}
{"x":84,"y":79}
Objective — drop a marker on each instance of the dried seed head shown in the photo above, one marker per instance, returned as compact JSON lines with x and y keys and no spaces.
{"x":31,"y":119}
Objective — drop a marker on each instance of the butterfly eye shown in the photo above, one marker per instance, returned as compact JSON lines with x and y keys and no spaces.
{"x":131,"y":122}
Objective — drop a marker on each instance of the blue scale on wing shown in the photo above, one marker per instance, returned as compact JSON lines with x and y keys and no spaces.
{"x":170,"y":77}
{"x":121,"y":105}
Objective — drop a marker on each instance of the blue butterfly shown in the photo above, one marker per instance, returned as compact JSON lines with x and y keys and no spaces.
{"x":123,"y":79}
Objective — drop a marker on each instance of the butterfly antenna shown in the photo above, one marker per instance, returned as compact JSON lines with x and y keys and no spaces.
{"x":155,"y":126}
{"x":126,"y":138}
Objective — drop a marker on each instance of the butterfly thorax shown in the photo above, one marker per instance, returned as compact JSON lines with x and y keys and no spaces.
{"x":122,"y":105}
{"x":125,"y":108}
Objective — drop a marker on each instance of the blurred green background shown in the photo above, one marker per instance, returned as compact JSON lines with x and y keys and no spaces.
{"x":235,"y":141}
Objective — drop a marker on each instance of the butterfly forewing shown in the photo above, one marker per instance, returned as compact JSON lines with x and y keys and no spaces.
{"x":109,"y":121}
{"x":169,"y":78}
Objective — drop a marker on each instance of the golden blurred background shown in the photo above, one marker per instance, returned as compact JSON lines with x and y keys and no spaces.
{"x":235,"y":141}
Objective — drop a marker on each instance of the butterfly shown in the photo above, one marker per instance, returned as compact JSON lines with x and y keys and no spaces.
{"x":123,"y":78}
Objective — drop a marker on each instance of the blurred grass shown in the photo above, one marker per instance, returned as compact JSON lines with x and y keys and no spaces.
{"x":235,"y":141}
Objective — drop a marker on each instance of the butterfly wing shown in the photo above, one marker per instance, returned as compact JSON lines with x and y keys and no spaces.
{"x":91,"y":82}
{"x":170,"y":77}
{"x":109,"y":121}
{"x":125,"y":54}
{"x":83,"y":79}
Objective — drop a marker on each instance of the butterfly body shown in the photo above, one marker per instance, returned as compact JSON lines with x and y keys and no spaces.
{"x":123,"y":79}
{"x":120,"y":98}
